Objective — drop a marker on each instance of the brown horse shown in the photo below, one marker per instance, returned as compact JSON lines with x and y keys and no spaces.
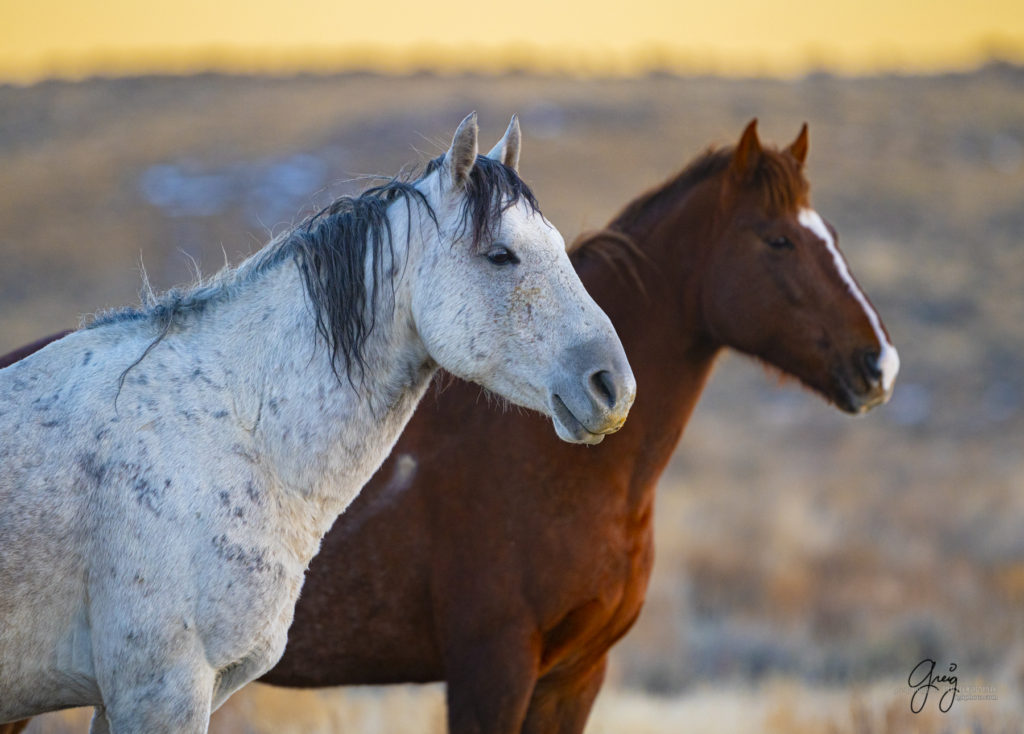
{"x":511,"y":572}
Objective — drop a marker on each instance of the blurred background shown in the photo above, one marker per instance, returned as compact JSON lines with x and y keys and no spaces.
{"x":806,"y":561}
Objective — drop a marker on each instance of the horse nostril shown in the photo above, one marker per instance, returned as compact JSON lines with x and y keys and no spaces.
{"x":604,"y":387}
{"x":869,"y":365}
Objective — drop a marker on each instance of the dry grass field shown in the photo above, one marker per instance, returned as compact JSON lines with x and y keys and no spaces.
{"x":806,"y":560}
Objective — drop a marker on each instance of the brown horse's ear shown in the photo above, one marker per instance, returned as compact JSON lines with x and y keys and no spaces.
{"x":798,"y":148}
{"x":748,"y":152}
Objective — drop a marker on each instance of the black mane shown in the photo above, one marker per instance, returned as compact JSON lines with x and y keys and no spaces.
{"x":492,"y":189}
{"x":331,"y":248}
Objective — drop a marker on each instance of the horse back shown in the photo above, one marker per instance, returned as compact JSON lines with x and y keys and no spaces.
{"x":20,"y":353}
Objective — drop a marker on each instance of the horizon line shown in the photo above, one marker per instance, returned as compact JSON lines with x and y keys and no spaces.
{"x":516,"y":58}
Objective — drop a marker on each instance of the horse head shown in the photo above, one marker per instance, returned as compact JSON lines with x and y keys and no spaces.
{"x":778,"y":288}
{"x":503,"y":307}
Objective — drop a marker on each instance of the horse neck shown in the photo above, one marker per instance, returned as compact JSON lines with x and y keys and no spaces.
{"x":659,"y":322}
{"x":321,"y":435}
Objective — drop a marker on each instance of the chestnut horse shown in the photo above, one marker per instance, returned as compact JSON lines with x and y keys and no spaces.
{"x":511,"y":572}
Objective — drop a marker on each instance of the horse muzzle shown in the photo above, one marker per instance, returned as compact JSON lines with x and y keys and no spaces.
{"x":867,"y":381}
{"x":594,"y":396}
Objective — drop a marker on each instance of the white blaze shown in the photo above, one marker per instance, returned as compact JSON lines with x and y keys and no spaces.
{"x":888,"y":358}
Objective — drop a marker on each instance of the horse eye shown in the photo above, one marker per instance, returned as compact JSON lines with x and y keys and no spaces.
{"x":502,"y":256}
{"x":779,"y":243}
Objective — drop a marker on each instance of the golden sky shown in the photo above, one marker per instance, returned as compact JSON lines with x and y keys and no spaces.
{"x":72,"y":38}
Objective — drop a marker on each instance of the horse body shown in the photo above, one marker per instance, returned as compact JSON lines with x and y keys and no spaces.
{"x":214,"y":558}
{"x":156,"y":527}
{"x":511,"y":573}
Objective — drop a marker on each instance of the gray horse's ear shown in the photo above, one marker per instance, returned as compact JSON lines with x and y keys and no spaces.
{"x":461,"y":157}
{"x":507,"y":149}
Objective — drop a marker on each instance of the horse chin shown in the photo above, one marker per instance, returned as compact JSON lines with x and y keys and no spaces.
{"x":847,"y":404}
{"x":835,"y":390}
{"x":569,"y":428}
{"x":855,"y":402}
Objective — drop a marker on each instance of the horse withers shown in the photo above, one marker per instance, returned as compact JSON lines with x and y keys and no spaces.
{"x":169,"y":471}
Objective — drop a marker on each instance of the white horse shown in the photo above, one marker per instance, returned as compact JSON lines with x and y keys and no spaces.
{"x":167,"y":473}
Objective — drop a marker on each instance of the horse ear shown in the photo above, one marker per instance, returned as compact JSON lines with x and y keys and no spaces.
{"x":748,"y":151}
{"x":461,"y":157}
{"x":798,"y":148}
{"x":507,"y":149}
